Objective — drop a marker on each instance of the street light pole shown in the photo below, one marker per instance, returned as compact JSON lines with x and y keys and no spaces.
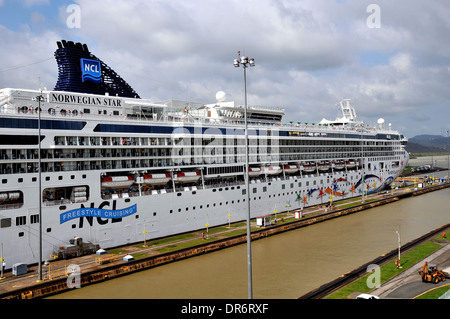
{"x":245,"y":62}
{"x":40,"y":99}
{"x":399,"y":245}
{"x":448,"y":156}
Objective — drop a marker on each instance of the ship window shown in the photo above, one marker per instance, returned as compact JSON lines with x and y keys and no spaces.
{"x":5,"y":222}
{"x":20,"y":180}
{"x":34,"y":219}
{"x":21,"y":234}
{"x":49,"y":230}
{"x":4,"y":181}
{"x":21,"y":220}
{"x":65,"y":195}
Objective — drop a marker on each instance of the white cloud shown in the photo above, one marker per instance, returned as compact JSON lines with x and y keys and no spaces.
{"x":307,"y":53}
{"x":401,"y":61}
{"x":25,"y":49}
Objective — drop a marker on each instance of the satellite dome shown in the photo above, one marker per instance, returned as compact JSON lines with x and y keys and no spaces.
{"x":381,"y":121}
{"x":221,"y":96}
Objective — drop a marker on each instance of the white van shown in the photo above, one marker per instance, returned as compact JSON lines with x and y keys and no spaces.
{"x":367,"y":296}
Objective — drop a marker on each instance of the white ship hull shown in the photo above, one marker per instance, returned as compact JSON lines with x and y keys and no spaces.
{"x":167,"y":213}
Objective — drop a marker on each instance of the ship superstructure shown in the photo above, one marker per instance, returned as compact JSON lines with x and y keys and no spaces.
{"x":114,"y":166}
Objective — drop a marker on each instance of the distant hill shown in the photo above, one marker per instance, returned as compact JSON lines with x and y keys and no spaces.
{"x":427,"y":144}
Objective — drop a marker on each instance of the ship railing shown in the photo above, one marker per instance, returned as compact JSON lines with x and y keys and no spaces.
{"x":136,"y":193}
{"x":51,"y":113}
{"x":10,"y":206}
{"x":57,"y":202}
{"x":265,"y":107}
{"x":224,"y":184}
{"x":4,"y":99}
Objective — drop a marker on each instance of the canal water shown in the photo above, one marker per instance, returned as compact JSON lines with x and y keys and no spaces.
{"x":287,"y":265}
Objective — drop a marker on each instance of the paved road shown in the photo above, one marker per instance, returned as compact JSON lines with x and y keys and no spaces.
{"x":409,"y":284}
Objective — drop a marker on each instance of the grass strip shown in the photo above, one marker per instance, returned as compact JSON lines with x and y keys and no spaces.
{"x":434,"y":293}
{"x":388,"y":271}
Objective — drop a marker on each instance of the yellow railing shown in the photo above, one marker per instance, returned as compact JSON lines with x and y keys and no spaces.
{"x":107,"y":258}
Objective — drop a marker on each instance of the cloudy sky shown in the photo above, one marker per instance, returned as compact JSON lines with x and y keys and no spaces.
{"x":392,"y":59}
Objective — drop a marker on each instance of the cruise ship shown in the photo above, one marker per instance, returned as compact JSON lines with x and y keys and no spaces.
{"x":117,"y":169}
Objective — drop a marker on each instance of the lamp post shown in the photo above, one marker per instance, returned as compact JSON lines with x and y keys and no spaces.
{"x":448,"y":156}
{"x":245,"y":62}
{"x":40,"y":99}
{"x":399,"y":245}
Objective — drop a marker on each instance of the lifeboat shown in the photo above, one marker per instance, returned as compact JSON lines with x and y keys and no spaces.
{"x":291,"y":169}
{"x":156,"y":179}
{"x":309,"y":167}
{"x":324,"y":166}
{"x":350,"y":164}
{"x":254,"y":171}
{"x":117,"y":181}
{"x":273,"y":170}
{"x":188,"y":177}
{"x":339,"y":165}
